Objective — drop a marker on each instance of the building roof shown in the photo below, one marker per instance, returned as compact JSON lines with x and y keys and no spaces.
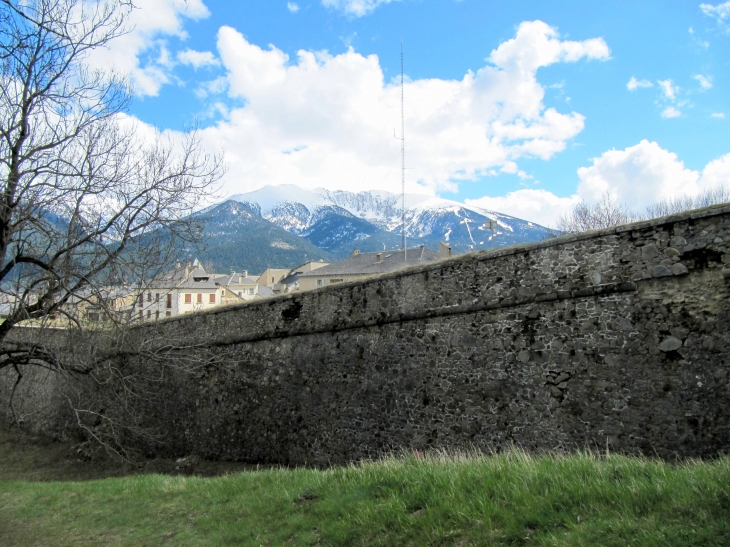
{"x":313,"y":265}
{"x":236,"y":279}
{"x":177,"y":276}
{"x":198,"y":282}
{"x":375,"y":263}
{"x":187,"y":276}
{"x":265,"y":291}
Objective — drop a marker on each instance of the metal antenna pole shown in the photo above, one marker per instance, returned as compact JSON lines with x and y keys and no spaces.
{"x":403,"y":153}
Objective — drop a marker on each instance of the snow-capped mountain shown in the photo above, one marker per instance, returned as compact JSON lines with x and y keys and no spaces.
{"x":236,"y":237}
{"x":339,"y":220}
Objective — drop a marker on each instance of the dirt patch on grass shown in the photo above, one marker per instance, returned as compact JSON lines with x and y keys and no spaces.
{"x":27,"y":457}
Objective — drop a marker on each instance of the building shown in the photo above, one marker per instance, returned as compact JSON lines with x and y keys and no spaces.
{"x":186,"y":289}
{"x":272,"y":276}
{"x":290,"y":282}
{"x":361,"y":265}
{"x":244,"y":286}
{"x":107,"y":304}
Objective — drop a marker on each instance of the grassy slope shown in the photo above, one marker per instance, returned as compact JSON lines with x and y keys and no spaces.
{"x":502,"y":500}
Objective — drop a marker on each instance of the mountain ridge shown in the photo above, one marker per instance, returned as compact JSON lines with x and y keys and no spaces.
{"x":343,"y":214}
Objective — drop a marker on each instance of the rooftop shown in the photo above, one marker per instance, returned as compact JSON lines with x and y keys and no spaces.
{"x":376,"y":263}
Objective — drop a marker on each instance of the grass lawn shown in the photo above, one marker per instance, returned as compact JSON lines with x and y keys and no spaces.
{"x":477,"y":500}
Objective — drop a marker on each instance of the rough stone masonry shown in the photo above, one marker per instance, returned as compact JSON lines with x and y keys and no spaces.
{"x":617,"y":339}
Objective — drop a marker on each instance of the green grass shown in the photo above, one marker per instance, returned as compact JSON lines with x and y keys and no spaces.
{"x":476,"y":500}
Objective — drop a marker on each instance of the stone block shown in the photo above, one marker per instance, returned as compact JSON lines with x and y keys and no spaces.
{"x":670,"y":343}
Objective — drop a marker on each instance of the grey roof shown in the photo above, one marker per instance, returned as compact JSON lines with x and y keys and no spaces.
{"x":236,"y":279}
{"x":368,"y":264}
{"x":199,"y":282}
{"x":184,"y":277}
{"x":265,"y":291}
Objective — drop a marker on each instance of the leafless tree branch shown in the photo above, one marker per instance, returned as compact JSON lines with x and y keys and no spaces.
{"x":88,"y":206}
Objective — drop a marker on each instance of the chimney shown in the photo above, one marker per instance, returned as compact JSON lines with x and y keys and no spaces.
{"x":355,"y":252}
{"x":379,"y":258}
{"x":244,"y":273}
{"x":444,"y":250}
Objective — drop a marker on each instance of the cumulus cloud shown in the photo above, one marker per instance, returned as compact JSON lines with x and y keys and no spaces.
{"x":322,"y":120}
{"x":357,"y":8}
{"x":669,"y":89}
{"x":716,"y":173}
{"x":292,"y":7}
{"x":197,"y":59}
{"x":720,"y":115}
{"x":636,"y":84}
{"x":720,"y":12}
{"x":704,"y":81}
{"x":142,"y":53}
{"x":671,"y":112}
{"x":637,"y":176}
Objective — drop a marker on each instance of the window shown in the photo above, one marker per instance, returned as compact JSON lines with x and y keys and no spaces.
{"x":240,"y":293}
{"x":149,"y":297}
{"x":249,"y":291}
{"x":168,"y":313}
{"x":93,"y":316}
{"x":200,"y":298}
{"x":188,"y":298}
{"x":169,"y":301}
{"x":320,"y":282}
{"x":140,"y":300}
{"x":212,"y":298}
{"x":273,"y":281}
{"x":140,"y":314}
{"x":157,"y":297}
{"x":335,"y":281}
{"x":149,"y":314}
{"x":157,"y":314}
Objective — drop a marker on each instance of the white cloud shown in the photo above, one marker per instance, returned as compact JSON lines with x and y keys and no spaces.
{"x":141,"y":53}
{"x":669,"y":89}
{"x":704,"y":81}
{"x":720,"y":12}
{"x":636,"y":84}
{"x":538,"y":206}
{"x":716,"y":173}
{"x":719,"y":115}
{"x":357,"y":8}
{"x":197,"y":59}
{"x":337,"y":113}
{"x":671,"y":112}
{"x":637,"y":176}
{"x":292,"y":7}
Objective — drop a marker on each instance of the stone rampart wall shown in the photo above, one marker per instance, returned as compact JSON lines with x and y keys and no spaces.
{"x":615,"y":339}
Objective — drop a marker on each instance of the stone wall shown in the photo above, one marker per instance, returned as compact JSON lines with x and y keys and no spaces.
{"x":615,"y":339}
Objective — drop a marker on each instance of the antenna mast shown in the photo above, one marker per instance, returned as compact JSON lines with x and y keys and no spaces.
{"x":403,"y":154}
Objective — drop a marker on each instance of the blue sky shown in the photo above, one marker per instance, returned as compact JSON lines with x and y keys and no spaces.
{"x":525,"y":107}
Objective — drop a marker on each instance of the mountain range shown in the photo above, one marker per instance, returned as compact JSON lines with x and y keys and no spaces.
{"x":284,"y":226}
{"x":331,"y":219}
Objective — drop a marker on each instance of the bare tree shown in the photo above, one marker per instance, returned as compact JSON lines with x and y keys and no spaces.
{"x":714,"y":196}
{"x":86,"y":203}
{"x":608,"y":212}
{"x":605,"y":213}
